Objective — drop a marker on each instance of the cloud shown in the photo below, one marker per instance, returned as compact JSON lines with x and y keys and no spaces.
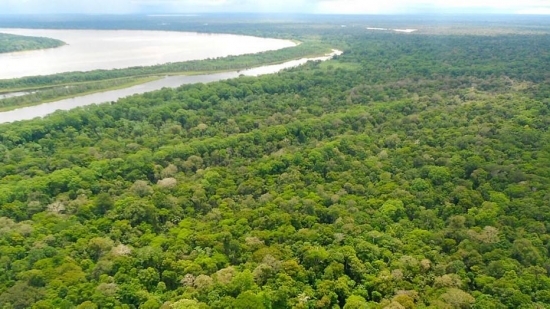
{"x":350,"y":6}
{"x":419,"y":6}
{"x":295,"y":6}
{"x":67,"y":6}
{"x":535,"y":11}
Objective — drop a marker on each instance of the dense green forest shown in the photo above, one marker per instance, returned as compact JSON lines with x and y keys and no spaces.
{"x":413,"y":171}
{"x":14,"y":43}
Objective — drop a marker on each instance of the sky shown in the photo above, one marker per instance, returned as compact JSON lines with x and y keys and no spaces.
{"x":275,"y":6}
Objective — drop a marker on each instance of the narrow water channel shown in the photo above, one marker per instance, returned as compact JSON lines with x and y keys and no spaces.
{"x":42,"y":110}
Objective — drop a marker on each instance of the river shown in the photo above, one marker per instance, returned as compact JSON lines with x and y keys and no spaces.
{"x":88,"y":50}
{"x":42,"y":110}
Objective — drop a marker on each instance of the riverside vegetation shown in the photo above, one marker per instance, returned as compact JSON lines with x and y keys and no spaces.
{"x":413,"y":171}
{"x":54,"y":87}
{"x":14,"y":43}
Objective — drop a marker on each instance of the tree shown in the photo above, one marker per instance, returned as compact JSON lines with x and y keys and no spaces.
{"x":21,"y":296}
{"x":356,"y":302}
{"x":103,"y":203}
{"x":248,"y":300}
{"x":457,"y":298}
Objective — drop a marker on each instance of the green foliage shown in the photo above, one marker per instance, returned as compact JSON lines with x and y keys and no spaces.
{"x":14,"y":43}
{"x":33,"y":96}
{"x":420,"y":180}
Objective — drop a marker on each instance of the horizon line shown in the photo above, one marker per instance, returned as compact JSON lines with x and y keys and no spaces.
{"x":198,"y":14}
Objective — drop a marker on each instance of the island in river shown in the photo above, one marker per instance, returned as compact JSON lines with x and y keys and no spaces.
{"x":139,"y":47}
{"x":30,"y":112}
{"x":89,"y":50}
{"x":10,"y":43}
